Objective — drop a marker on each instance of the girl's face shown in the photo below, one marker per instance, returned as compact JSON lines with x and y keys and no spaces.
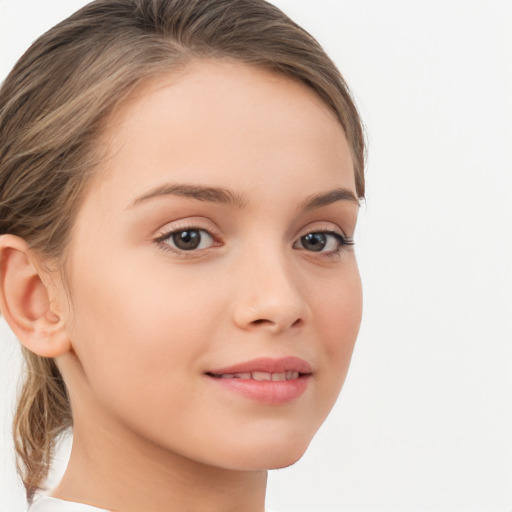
{"x":211,"y":254}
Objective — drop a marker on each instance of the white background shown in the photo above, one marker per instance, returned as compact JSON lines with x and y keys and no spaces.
{"x":425,"y":419}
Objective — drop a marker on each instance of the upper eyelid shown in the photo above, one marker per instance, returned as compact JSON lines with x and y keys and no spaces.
{"x":204,"y":224}
{"x":182,"y":225}
{"x":341,"y":238}
{"x":322,"y":227}
{"x":168,"y":233}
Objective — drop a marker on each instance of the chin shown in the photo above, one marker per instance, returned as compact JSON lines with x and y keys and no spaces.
{"x":266,"y":454}
{"x":285,"y":461}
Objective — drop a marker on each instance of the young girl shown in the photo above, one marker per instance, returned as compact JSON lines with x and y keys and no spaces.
{"x":179,"y":189}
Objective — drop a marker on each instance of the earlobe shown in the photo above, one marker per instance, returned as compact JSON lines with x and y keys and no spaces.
{"x":26,"y":303}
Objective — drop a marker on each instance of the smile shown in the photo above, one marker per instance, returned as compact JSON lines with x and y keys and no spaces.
{"x":267,"y":381}
{"x":260,"y":376}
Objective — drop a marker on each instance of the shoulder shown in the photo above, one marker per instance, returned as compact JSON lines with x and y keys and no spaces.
{"x":49,"y":504}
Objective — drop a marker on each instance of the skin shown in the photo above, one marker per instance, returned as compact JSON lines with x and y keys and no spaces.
{"x":145,"y":322}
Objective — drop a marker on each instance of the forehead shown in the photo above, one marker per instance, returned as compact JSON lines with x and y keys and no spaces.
{"x":224,"y":123}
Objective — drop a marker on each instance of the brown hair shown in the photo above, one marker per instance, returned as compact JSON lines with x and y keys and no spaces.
{"x":53,"y":105}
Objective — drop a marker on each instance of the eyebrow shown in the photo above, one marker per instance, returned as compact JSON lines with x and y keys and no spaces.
{"x":228,"y":197}
{"x":327,"y":198}
{"x":199,"y":192}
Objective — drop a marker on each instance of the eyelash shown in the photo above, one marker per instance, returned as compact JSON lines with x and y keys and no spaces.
{"x":342,"y":242}
{"x":162,"y":241}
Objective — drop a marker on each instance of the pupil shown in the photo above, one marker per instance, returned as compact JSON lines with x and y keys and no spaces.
{"x":187,"y":240}
{"x":314,"y":241}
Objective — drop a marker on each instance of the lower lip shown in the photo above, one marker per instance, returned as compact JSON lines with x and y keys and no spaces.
{"x":266,"y":391}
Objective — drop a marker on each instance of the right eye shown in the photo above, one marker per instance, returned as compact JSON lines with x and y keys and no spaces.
{"x":190,"y":239}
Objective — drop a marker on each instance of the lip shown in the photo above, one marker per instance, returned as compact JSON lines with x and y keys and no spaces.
{"x":270,"y":392}
{"x":268,"y":365}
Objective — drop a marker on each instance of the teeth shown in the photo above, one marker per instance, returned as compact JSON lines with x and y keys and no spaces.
{"x":242,"y":375}
{"x":262,"y":376}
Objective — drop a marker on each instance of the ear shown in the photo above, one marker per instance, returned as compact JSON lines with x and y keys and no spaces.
{"x":25,"y":301}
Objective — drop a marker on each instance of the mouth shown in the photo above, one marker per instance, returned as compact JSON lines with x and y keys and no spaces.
{"x":268,"y":381}
{"x":259,"y":375}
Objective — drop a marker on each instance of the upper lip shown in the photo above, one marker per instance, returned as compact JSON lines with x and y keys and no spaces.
{"x":268,"y":365}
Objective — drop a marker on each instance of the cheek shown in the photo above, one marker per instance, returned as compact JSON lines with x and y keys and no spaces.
{"x":149,"y":324}
{"x":337,"y":318}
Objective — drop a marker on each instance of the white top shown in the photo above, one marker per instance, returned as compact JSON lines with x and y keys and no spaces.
{"x":49,"y":504}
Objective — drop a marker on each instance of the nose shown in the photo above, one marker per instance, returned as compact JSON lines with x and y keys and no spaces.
{"x":268,"y":296}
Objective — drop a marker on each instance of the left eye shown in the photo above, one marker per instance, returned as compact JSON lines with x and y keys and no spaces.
{"x":188,"y":239}
{"x":321,"y":241}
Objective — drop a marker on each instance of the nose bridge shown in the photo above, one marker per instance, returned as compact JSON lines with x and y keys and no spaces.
{"x":269,"y":294}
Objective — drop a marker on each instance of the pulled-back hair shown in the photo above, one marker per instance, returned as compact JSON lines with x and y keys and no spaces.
{"x":54,"y":103}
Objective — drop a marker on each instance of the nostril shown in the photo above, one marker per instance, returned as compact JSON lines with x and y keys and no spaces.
{"x":261,"y":321}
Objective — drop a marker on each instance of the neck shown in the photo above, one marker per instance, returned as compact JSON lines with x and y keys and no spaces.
{"x":115,"y":470}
